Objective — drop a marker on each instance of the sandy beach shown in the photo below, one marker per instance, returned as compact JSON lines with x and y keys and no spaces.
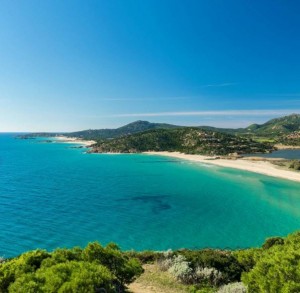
{"x":247,"y":164}
{"x":65,"y":139}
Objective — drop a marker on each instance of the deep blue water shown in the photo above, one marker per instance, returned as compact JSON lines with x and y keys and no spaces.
{"x":52,"y":195}
{"x":285,"y":154}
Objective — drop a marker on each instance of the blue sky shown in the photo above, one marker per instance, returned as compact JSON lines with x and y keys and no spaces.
{"x":72,"y":65}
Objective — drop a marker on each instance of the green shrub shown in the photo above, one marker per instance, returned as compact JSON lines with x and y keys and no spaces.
{"x":247,"y":258}
{"x":69,"y":270}
{"x":123,"y":267}
{"x":70,"y":276}
{"x":277,"y":269}
{"x":295,"y":165}
{"x":273,"y":241}
{"x":26,"y":263}
{"x":223,"y":261}
{"x":185,"y":272}
{"x":146,"y":256}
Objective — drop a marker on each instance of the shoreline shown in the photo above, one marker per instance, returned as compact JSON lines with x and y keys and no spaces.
{"x":286,"y":147}
{"x":65,"y":139}
{"x":263,"y":166}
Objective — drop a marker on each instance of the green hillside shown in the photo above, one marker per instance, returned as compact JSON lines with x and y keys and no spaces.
{"x":276,"y":127}
{"x":190,"y":140}
{"x":284,"y":130}
{"x":232,"y":131}
{"x":131,"y":128}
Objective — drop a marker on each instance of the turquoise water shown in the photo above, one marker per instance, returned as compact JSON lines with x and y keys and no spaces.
{"x":52,"y":195}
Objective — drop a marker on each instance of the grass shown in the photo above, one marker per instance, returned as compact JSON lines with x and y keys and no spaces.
{"x":263,"y":139}
{"x":153,"y":280}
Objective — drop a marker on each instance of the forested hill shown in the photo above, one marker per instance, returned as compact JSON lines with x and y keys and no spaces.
{"x":284,"y":130}
{"x":189,"y":140}
{"x":131,"y":128}
{"x":274,"y":127}
{"x":277,"y":126}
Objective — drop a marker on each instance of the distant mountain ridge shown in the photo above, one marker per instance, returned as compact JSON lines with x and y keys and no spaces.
{"x":131,"y":128}
{"x":284,"y":129}
{"x":278,"y":126}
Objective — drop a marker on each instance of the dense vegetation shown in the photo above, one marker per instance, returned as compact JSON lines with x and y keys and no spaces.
{"x":77,"y":270}
{"x":295,"y":164}
{"x":292,"y":139}
{"x":275,"y":267}
{"x":187,"y":140}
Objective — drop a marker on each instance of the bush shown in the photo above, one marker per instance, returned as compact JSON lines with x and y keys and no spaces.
{"x":180,"y":269}
{"x":123,"y":267}
{"x":71,"y":276}
{"x":247,"y":258}
{"x":195,"y":289}
{"x":165,"y":263}
{"x":69,"y":270}
{"x":295,"y":165}
{"x":223,"y":261}
{"x":277,"y":268}
{"x":273,"y":241}
{"x":183,"y":271}
{"x":209,"y":276}
{"x":145,"y":257}
{"x":237,"y":287}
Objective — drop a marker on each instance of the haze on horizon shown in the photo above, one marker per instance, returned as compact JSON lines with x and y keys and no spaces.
{"x":73,"y":65}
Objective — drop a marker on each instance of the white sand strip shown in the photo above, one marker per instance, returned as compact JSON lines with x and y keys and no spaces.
{"x":257,"y":166}
{"x":65,"y":139}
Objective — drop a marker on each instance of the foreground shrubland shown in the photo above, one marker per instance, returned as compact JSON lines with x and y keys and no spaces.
{"x":92,"y":269}
{"x":275,"y":267}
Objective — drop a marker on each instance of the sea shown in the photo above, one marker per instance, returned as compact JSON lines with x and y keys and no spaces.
{"x":56,"y":195}
{"x":289,"y":154}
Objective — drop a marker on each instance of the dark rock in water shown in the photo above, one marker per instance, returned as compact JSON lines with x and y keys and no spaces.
{"x":157,"y":203}
{"x":77,"y":147}
{"x":46,"y":141}
{"x":24,"y":137}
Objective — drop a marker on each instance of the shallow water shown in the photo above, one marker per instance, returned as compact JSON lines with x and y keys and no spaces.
{"x":52,"y":195}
